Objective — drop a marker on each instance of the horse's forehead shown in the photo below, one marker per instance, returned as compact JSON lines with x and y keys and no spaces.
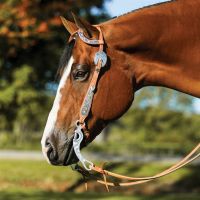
{"x":82,"y":51}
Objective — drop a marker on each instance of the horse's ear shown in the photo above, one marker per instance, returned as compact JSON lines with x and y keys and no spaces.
{"x":70,"y":26}
{"x":88,"y":30}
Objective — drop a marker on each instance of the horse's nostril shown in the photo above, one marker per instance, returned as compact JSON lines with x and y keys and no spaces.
{"x":52,"y":155}
{"x":51,"y":152}
{"x":47,"y":143}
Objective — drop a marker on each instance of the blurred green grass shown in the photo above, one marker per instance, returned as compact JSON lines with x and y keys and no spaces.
{"x":27,"y":180}
{"x":41,"y":195}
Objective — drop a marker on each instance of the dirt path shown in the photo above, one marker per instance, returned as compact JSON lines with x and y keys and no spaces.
{"x":37,"y":155}
{"x":21,"y":155}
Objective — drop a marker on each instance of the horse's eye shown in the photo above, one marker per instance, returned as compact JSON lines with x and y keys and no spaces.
{"x":80,"y":75}
{"x":80,"y":72}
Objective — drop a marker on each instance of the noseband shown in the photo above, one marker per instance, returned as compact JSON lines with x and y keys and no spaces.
{"x":100,"y":60}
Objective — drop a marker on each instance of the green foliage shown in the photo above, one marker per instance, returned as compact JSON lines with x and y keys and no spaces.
{"x":24,"y":108}
{"x":164,"y":98}
{"x":152,"y":130}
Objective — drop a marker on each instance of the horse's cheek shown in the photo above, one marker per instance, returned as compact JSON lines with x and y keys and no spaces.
{"x":114,"y":96}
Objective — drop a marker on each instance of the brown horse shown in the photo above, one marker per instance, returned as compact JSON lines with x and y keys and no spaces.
{"x":154,"y":46}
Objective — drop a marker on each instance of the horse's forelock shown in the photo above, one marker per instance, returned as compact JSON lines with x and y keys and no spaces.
{"x":64,"y":59}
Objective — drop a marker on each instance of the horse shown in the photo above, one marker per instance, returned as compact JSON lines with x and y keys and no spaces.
{"x":154,"y":46}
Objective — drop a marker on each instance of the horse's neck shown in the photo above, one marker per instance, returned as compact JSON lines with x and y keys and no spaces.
{"x":160,"y":45}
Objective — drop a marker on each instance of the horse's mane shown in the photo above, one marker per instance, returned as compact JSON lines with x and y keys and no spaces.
{"x":149,"y":6}
{"x":67,"y":52}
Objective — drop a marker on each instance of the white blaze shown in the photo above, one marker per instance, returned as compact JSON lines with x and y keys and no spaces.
{"x":52,"y":118}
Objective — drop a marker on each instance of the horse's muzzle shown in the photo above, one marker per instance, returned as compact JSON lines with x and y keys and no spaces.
{"x":60,"y":152}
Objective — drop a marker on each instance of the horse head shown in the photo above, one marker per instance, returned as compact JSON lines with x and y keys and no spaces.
{"x":112,"y":97}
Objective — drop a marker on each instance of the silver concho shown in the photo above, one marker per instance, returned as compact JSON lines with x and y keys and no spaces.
{"x":100,"y":55}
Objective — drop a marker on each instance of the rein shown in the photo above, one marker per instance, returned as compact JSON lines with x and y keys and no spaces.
{"x":100,"y":61}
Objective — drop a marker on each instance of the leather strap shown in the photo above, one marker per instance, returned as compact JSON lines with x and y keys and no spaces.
{"x":93,"y":82}
{"x":135,"y":180}
{"x":95,"y":171}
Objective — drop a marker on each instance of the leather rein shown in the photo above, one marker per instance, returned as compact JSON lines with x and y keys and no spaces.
{"x":88,"y":167}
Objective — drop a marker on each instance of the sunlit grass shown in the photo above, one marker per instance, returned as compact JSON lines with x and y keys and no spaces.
{"x":34,"y":174}
{"x":37,"y":180}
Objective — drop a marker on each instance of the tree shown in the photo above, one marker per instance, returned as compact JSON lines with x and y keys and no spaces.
{"x":164,"y":98}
